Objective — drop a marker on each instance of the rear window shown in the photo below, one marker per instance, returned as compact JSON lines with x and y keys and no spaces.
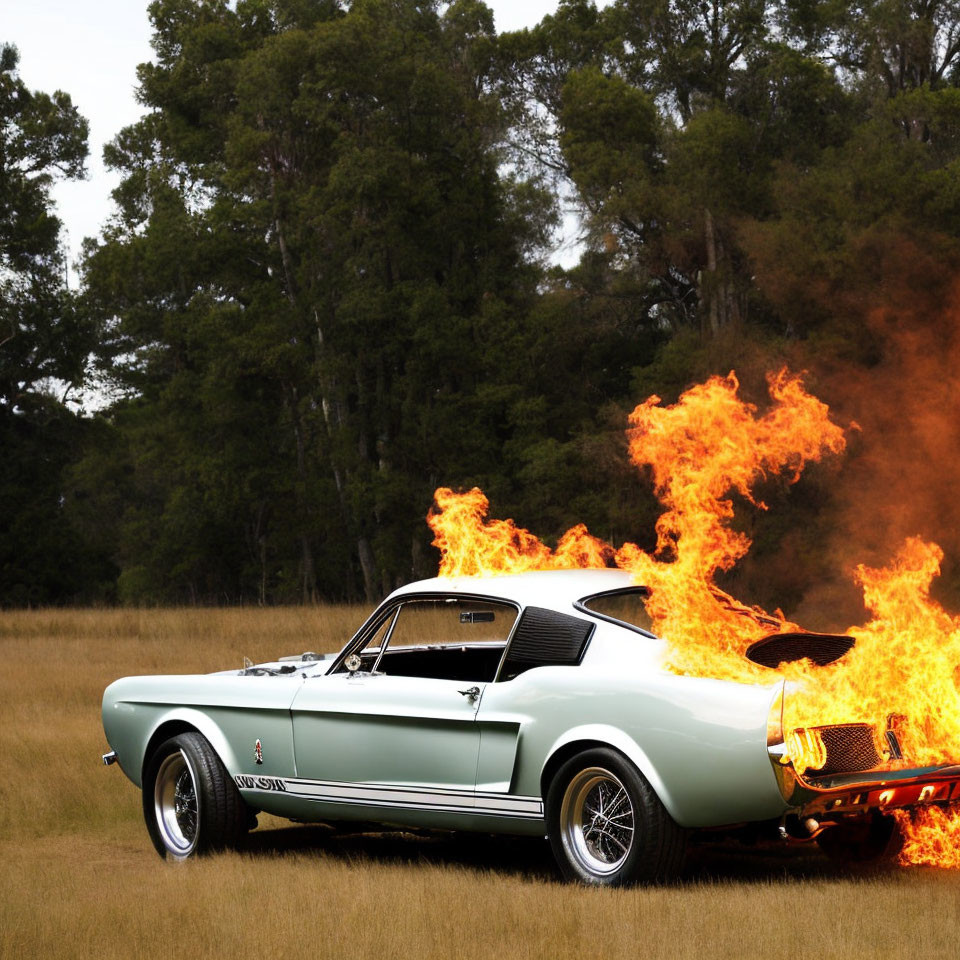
{"x":626,"y":606}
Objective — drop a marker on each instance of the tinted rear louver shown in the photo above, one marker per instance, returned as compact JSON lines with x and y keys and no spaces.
{"x":850,"y":747}
{"x":821,"y":648}
{"x":545,"y":638}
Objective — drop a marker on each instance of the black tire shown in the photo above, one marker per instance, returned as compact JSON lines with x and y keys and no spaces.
{"x":873,"y":841}
{"x":190,"y":803}
{"x":591,"y":804}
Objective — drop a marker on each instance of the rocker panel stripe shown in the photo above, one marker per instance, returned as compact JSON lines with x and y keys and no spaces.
{"x":396,"y":795}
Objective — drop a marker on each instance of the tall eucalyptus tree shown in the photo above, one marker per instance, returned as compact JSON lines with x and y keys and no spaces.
{"x":313,"y":249}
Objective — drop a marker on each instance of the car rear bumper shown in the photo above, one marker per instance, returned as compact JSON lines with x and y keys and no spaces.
{"x":846,"y":794}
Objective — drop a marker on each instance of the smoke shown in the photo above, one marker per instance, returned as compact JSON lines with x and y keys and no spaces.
{"x":901,"y":474}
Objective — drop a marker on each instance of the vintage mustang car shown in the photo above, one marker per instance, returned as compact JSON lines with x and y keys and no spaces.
{"x":532,"y":704}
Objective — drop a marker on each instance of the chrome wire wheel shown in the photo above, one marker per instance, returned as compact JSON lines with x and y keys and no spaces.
{"x":597,"y":822}
{"x":177,"y":804}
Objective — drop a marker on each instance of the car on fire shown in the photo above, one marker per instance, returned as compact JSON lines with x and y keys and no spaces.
{"x":531,"y":704}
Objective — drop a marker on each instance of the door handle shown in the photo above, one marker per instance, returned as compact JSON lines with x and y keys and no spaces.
{"x":471,"y":693}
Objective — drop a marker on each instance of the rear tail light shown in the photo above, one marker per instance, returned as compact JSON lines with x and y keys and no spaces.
{"x":805,"y":749}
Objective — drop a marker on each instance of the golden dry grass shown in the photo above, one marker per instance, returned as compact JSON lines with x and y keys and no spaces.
{"x":80,"y":879}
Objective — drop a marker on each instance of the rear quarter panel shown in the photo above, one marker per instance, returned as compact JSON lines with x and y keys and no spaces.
{"x":701,"y":743}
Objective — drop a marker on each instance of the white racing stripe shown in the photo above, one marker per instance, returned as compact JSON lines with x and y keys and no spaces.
{"x":397,"y":795}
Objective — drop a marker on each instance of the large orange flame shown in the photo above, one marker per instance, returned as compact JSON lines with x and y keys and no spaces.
{"x":906,"y":663}
{"x":932,"y":838}
{"x":472,"y":546}
{"x":709,"y":443}
{"x":699,"y":450}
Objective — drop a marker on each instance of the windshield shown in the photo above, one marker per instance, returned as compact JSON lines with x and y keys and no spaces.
{"x":624,"y":606}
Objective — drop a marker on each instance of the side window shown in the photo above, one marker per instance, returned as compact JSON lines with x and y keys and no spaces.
{"x":628,"y":606}
{"x":444,"y":639}
{"x":452,"y":621}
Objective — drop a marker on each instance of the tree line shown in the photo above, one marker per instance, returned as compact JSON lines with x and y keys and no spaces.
{"x":324,"y":288}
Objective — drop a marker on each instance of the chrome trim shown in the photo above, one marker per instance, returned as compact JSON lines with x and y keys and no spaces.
{"x":441,"y":799}
{"x":386,"y":639}
{"x":109,"y":758}
{"x":597,"y":822}
{"x":176,"y":804}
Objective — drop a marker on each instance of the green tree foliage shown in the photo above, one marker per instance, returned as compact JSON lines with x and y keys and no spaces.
{"x":703,"y":139}
{"x":318,"y":292}
{"x":671,"y":134}
{"x":767,"y":175}
{"x":43,"y":137}
{"x":322,"y":292}
{"x":45,"y":343}
{"x":891,"y":45}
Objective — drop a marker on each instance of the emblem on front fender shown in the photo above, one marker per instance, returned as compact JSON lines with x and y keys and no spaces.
{"x":258,"y":752}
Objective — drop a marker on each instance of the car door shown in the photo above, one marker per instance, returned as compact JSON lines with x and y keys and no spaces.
{"x":377,"y":736}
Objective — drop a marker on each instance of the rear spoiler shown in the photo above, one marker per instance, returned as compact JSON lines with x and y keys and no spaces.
{"x":777,"y":648}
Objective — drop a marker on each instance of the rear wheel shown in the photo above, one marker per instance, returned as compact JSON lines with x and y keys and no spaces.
{"x":190,"y":803}
{"x":606,"y":824}
{"x":872,"y":841}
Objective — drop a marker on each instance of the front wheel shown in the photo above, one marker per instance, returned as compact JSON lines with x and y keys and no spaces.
{"x":190,"y":803}
{"x":606,"y":824}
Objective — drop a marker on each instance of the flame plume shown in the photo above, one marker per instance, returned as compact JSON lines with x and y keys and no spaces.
{"x":932,"y":838}
{"x":471,"y":546}
{"x":709,"y":443}
{"x":906,"y":661}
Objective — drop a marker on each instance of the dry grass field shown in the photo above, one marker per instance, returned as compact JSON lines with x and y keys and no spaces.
{"x":80,"y":879}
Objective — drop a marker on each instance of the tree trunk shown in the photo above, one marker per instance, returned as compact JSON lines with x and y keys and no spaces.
{"x":713,"y":294}
{"x":333,"y":420}
{"x":308,"y":571}
{"x":416,"y":558}
{"x":263,"y":572}
{"x":368,"y":567}
{"x":308,"y":574}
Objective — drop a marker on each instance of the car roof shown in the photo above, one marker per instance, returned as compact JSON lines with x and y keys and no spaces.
{"x":554,"y":589}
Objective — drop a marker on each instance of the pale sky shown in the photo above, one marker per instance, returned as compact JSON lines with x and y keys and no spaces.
{"x":91,"y":48}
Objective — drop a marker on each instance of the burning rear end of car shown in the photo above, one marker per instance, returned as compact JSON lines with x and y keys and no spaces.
{"x":853,"y":788}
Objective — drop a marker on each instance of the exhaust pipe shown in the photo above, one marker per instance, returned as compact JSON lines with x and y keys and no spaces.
{"x":793,"y":828}
{"x":109,"y":758}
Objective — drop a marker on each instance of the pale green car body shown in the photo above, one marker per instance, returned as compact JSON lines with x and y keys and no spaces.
{"x":335,"y":746}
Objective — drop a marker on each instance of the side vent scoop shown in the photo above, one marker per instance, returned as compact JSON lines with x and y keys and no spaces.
{"x":545,"y":638}
{"x":821,"y":648}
